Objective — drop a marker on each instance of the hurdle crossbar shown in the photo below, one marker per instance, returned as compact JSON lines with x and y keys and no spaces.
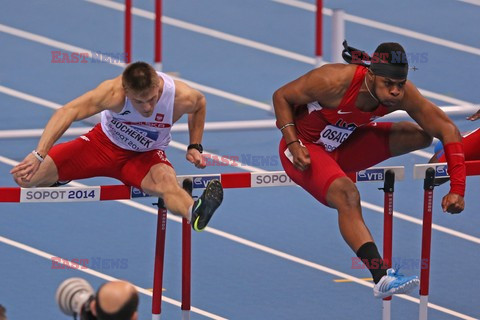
{"x":441,"y":169}
{"x":122,"y":192}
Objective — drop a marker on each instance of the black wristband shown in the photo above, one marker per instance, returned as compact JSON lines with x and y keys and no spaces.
{"x":197,"y":146}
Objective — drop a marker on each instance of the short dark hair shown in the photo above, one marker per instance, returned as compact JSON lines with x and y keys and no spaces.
{"x":139,"y":76}
{"x":392,"y":52}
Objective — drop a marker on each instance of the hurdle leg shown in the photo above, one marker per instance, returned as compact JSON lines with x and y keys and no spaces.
{"x":158,"y":35}
{"x":128,"y":31}
{"x":186,"y":258}
{"x":159,"y":260}
{"x":428,"y":187}
{"x":388,"y":188}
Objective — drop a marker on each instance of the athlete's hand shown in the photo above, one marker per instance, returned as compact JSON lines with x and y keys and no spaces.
{"x":474,"y":116}
{"x":453,"y":203}
{"x":194,"y":156}
{"x":27,"y":168}
{"x":301,"y":157}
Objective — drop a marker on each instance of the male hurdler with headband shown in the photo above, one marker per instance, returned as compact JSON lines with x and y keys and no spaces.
{"x":326,"y":117}
{"x":138,"y":109}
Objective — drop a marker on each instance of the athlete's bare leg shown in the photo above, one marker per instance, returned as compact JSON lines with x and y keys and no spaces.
{"x":161,"y":181}
{"x":343,"y":196}
{"x":406,"y":137}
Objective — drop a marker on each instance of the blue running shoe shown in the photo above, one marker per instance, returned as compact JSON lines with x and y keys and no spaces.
{"x":394,"y":283}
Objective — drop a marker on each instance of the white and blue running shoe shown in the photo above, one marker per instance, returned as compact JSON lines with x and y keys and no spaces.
{"x":394,"y":283}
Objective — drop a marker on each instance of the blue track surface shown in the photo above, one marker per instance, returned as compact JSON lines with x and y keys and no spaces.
{"x":230,"y":279}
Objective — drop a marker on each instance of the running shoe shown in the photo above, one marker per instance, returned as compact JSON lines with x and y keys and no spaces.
{"x":205,"y":206}
{"x":394,"y":283}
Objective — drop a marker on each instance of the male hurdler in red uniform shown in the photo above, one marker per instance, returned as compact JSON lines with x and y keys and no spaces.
{"x":326,"y":117}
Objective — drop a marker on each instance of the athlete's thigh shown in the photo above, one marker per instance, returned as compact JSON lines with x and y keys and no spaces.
{"x":141,"y":170}
{"x":87,"y":156}
{"x":319,"y":176}
{"x":367,"y":146}
{"x":406,"y":137}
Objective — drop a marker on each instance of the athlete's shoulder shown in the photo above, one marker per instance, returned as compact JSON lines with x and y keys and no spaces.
{"x":185,"y":91}
{"x":335,"y":74}
{"x":112,"y":93}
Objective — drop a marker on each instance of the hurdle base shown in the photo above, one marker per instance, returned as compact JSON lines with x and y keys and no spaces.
{"x":423,"y":314}
{"x":386,"y":309}
{"x":185,"y":314}
{"x":156,"y":316}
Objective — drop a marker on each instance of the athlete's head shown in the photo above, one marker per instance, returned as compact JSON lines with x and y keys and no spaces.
{"x":142,"y":86}
{"x":389,"y":70}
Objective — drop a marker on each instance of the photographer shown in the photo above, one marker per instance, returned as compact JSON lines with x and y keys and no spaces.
{"x":114,"y":300}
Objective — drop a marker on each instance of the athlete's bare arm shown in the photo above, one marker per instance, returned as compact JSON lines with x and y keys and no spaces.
{"x":430,"y":117}
{"x":192,"y":102}
{"x":108,"y":95}
{"x":436,"y":123}
{"x":326,"y":85}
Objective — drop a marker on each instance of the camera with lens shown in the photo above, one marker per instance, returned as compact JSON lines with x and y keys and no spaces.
{"x":74,"y":297}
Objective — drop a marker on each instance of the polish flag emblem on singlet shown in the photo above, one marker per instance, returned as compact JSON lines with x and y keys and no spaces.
{"x":159,"y":117}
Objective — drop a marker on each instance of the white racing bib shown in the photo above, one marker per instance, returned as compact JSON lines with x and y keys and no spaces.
{"x":332,"y":137}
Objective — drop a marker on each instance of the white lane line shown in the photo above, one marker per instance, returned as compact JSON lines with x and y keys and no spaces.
{"x":442,"y":97}
{"x":303,"y":5}
{"x":227,"y":95}
{"x":29,"y":98}
{"x":388,"y":27}
{"x":178,"y":127}
{"x":230,"y":96}
{"x":238,"y":40}
{"x":272,"y":251}
{"x":106,"y":277}
{"x":8,"y":161}
{"x":413,"y":34}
